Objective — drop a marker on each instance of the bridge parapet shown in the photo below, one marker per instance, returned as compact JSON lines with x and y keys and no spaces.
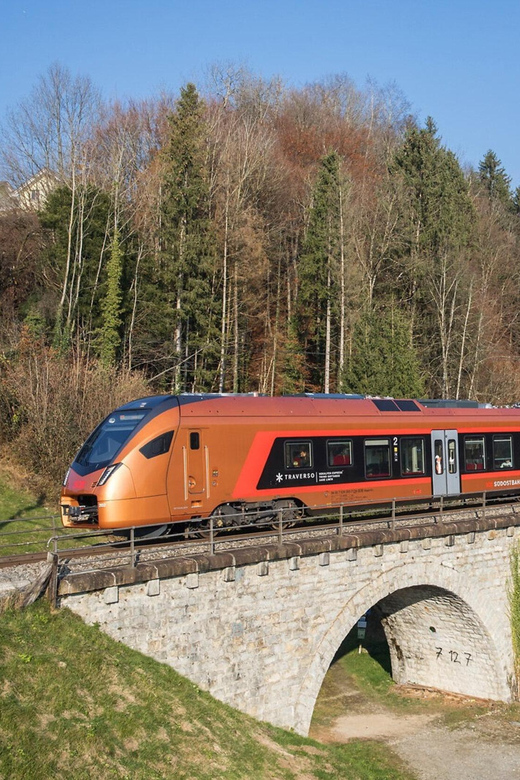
{"x":167,"y":568}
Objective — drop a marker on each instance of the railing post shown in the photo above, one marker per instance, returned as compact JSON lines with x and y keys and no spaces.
{"x":53,"y":581}
{"x":211,"y":535}
{"x":341,"y":520}
{"x":484,"y":504}
{"x":393,"y":514}
{"x":441,"y":507}
{"x":280,"y":526}
{"x":132,"y":547}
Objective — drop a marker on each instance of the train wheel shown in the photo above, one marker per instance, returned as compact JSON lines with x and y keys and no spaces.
{"x":224,"y":519}
{"x":291,"y":513}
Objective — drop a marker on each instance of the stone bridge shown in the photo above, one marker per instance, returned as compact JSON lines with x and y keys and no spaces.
{"x":259,"y":627}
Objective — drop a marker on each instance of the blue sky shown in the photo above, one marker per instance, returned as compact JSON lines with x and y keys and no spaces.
{"x":455,"y":60}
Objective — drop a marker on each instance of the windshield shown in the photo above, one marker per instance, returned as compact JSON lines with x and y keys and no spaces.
{"x":105,"y":442}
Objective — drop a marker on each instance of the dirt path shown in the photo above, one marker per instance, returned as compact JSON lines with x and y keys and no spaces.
{"x":432,"y":750}
{"x":438,"y":753}
{"x":483,"y":745}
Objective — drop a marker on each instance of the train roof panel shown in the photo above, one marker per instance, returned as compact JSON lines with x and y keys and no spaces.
{"x":284,"y":406}
{"x":316,"y":405}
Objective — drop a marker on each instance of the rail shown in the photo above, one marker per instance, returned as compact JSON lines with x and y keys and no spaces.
{"x":45,"y":535}
{"x":27,"y":534}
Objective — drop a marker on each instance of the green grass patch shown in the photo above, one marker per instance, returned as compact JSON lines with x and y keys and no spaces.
{"x":75,"y":703}
{"x":19,"y":503}
{"x":25,"y":523}
{"x":359,"y":682}
{"x":514,"y":607}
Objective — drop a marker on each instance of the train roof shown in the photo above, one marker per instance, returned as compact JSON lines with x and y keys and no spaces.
{"x":313,"y":404}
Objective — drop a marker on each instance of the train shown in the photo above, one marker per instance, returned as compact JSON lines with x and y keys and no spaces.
{"x":168,"y":459}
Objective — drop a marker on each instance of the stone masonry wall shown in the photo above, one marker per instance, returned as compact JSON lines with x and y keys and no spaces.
{"x":261,"y":634}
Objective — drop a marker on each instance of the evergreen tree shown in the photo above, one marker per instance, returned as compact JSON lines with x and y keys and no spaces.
{"x":109,"y":335}
{"x":383,"y":360}
{"x":186,"y":309}
{"x":440,"y":231}
{"x":316,"y":303}
{"x":441,"y":209}
{"x":293,"y":377}
{"x":516,"y":201}
{"x":493,"y":176}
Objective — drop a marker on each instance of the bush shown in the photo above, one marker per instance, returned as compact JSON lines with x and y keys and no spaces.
{"x":50,"y":403}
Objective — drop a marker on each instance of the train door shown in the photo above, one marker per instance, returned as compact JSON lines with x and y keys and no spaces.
{"x":196,"y":456}
{"x":445,"y":459}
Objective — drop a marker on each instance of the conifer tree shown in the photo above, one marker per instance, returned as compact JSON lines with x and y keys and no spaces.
{"x":493,"y":176}
{"x":440,"y":226}
{"x":384,"y":360}
{"x":186,"y":304}
{"x":293,"y":378}
{"x":109,"y":336}
{"x":516,"y":201}
{"x":316,"y":305}
{"x":441,"y":207}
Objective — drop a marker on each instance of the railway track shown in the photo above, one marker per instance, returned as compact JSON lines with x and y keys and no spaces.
{"x":124,"y":553}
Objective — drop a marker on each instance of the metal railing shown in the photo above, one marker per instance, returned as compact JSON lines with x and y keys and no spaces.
{"x":33,"y":536}
{"x":86,"y":551}
{"x":210,"y":534}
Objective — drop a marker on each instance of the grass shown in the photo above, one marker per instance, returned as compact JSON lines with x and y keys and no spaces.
{"x":16,"y":503}
{"x":368,"y":674}
{"x":514,"y":606}
{"x":75,"y":703}
{"x":25,"y":523}
{"x":370,"y":671}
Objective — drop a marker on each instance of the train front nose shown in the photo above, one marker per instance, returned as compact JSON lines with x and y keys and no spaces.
{"x":78,"y":502}
{"x":82,"y":510}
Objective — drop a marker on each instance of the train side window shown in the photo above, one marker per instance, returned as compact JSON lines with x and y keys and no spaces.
{"x":452,"y":456}
{"x":412,"y":456}
{"x":298,"y":455}
{"x":377,"y":458}
{"x":157,"y":446}
{"x":339,"y":453}
{"x":474,"y":453}
{"x":194,"y":440}
{"x":439,"y":456}
{"x":502,"y":452}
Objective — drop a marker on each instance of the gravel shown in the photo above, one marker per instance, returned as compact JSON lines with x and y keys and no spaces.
{"x":14,"y":578}
{"x":438,"y":753}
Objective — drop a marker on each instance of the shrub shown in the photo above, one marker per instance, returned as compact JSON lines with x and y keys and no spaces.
{"x":51,"y":402}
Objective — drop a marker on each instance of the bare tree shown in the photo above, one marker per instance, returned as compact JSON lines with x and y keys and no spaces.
{"x":49,"y":131}
{"x":242,"y":170}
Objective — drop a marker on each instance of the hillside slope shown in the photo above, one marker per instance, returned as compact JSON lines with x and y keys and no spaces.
{"x":74,"y":703}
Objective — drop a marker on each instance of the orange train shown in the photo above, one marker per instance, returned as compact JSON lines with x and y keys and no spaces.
{"x":167,"y":459}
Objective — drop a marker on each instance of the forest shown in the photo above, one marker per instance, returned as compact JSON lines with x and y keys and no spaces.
{"x":243,"y":236}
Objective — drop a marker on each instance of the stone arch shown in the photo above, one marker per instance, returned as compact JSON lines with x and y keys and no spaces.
{"x":437,"y":640}
{"x":421,"y":599}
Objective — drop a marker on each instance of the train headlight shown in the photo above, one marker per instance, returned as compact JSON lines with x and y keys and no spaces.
{"x":105,"y":476}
